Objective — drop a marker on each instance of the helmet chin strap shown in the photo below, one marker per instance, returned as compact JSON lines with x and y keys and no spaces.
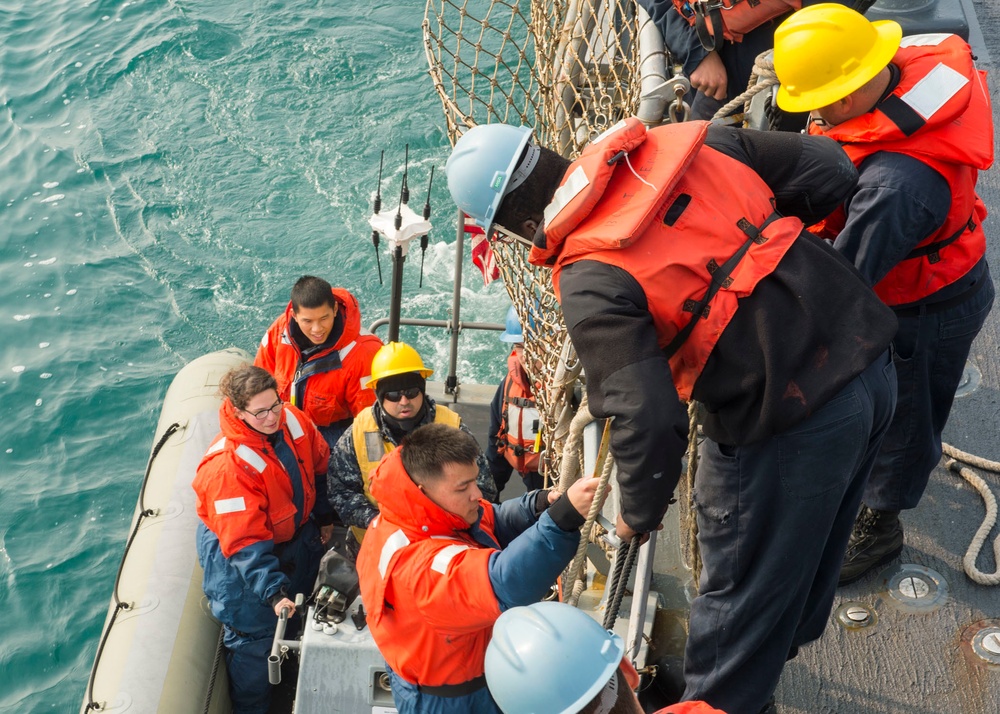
{"x":513,"y":235}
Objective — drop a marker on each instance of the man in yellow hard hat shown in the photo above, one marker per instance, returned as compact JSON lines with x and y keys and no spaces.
{"x":399,"y":379}
{"x":914,"y":115}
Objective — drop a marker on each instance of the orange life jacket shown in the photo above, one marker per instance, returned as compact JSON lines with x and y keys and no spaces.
{"x":330,"y":386}
{"x":244,"y":494}
{"x":940,"y":114}
{"x":425,"y":583}
{"x":520,"y":420}
{"x":738,"y":16}
{"x":694,"y":227}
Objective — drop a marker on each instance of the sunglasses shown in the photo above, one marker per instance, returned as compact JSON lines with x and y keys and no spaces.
{"x":397,"y":394}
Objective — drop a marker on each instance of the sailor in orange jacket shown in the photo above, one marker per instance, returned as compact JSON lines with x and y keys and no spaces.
{"x":321,"y":356}
{"x":914,"y":115}
{"x":682,"y":268}
{"x":261,"y":496}
{"x":439,"y":564}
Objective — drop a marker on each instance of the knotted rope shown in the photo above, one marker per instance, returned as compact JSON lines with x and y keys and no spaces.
{"x":956,"y":458}
{"x":763,"y":68}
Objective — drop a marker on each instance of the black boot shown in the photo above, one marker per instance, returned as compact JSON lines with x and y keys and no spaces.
{"x":877,"y":538}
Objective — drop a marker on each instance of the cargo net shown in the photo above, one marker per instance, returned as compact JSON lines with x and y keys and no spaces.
{"x":566,"y":69}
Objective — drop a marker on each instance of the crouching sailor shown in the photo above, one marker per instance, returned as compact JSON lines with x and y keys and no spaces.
{"x":259,"y":540}
{"x":439,"y":564}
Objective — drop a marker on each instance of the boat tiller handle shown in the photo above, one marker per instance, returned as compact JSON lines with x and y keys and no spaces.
{"x":280,"y":647}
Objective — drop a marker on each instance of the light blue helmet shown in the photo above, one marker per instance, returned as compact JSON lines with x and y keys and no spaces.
{"x":513,"y":332}
{"x":549,"y":658}
{"x":481,"y":168}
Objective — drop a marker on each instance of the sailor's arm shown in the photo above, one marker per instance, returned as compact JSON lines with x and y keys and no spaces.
{"x":899,"y":202}
{"x":345,"y":486}
{"x":628,"y":378}
{"x":809,"y":175}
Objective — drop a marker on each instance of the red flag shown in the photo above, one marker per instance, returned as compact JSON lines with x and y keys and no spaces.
{"x":482,"y":253}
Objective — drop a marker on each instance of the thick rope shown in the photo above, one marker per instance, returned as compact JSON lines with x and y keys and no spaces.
{"x":627,"y":552}
{"x":763,"y":67}
{"x":692,"y":555}
{"x":605,"y":465}
{"x":953,"y":463}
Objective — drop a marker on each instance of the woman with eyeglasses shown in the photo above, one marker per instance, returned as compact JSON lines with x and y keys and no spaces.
{"x":261,"y":496}
{"x":399,"y":379}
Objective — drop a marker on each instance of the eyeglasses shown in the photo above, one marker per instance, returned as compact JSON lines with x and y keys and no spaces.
{"x":396,"y":395}
{"x":262,"y":414}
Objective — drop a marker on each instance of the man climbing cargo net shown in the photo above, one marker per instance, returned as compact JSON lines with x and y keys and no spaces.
{"x":569,"y":69}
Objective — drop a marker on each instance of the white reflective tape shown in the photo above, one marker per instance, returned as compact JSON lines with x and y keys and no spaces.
{"x":608,"y":132}
{"x":927,"y":40}
{"x":576,"y":182}
{"x":444,"y":556}
{"x":285,"y":339}
{"x":230,"y":505}
{"x":294,"y":427}
{"x":933,"y":91}
{"x":251,"y":457}
{"x":217,"y":446}
{"x":393,"y":543}
{"x":264,"y":340}
{"x":344,"y":351}
{"x":365,"y":380}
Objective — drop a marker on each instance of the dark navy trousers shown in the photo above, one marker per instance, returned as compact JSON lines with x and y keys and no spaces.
{"x":773,"y":522}
{"x":931,"y":348}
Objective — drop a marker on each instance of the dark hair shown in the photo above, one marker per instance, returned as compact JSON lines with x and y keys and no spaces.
{"x":427,"y":449}
{"x":241,"y":384}
{"x":310,"y":291}
{"x":530,"y":198}
{"x":626,"y":703}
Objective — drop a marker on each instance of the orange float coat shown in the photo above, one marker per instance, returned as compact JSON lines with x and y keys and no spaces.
{"x":519,"y":419}
{"x":422,"y":559}
{"x":244,"y":494}
{"x":329,"y":386}
{"x":940,"y":114}
{"x":614,"y":207}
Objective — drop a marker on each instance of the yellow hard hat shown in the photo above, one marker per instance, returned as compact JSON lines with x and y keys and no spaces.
{"x":396,"y":358}
{"x":824,"y":52}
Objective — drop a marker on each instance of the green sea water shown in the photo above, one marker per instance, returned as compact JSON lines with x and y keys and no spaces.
{"x":167,"y":169}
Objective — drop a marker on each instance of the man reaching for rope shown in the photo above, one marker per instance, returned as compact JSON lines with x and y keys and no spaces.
{"x":681,"y":272}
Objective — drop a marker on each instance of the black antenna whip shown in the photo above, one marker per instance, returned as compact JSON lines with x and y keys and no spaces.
{"x":424,"y":239}
{"x":376,"y":208}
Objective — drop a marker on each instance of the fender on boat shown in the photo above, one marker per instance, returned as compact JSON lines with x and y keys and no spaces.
{"x":159,"y":645}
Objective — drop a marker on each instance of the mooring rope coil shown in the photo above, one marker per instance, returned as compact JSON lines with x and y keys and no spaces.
{"x":954,"y":463}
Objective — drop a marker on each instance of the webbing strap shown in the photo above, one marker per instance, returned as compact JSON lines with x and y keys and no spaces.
{"x":720,"y":279}
{"x":932,"y":249}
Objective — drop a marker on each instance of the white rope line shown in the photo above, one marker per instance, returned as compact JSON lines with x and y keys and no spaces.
{"x":953,"y":463}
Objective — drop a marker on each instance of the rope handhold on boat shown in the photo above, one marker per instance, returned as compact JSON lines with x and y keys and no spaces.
{"x":954,"y":463}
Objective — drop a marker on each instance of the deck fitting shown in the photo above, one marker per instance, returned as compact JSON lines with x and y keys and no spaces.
{"x":856,"y":615}
{"x":971,"y":379}
{"x":986,"y":642}
{"x":914,"y":588}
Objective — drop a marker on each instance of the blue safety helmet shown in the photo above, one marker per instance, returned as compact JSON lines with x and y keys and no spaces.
{"x":513,"y":332}
{"x":549,"y":657}
{"x":482,"y":168}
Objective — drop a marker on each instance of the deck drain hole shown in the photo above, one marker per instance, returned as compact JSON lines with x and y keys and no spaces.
{"x":984,"y":639}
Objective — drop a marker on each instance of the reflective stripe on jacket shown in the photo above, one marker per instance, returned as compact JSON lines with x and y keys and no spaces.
{"x":710,"y":222}
{"x":331,"y":385}
{"x":940,"y":114}
{"x":244,"y":494}
{"x":370,"y":445}
{"x":520,"y":420}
